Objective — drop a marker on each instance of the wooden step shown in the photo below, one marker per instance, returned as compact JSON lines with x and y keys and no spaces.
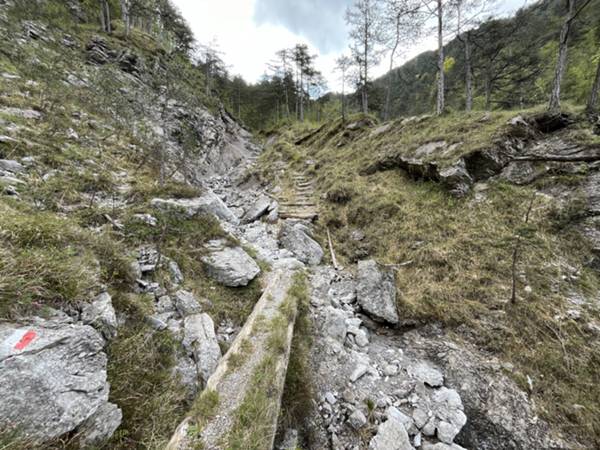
{"x":298,"y":204}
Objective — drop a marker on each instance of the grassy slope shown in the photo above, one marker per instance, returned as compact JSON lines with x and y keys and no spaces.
{"x":459,"y":254}
{"x":56,"y":246}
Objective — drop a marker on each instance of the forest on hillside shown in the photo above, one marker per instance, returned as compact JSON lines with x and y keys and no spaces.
{"x":507,"y":62}
{"x":548,"y":50}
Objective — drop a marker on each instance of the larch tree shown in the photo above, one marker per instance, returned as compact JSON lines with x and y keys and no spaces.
{"x":467,"y":14}
{"x":213,"y":64}
{"x":125,"y":15}
{"x":573,"y":9}
{"x":364,"y":19}
{"x":285,"y":69}
{"x":592,"y":106}
{"x":402,"y":23}
{"x":343,"y":65}
{"x":304,"y":70}
{"x":437,"y":10}
{"x":105,"y":16}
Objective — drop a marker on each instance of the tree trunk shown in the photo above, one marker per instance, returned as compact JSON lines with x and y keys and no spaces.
{"x":468,"y":74}
{"x":592,"y":106}
{"x":388,"y":96}
{"x":365,"y":94}
{"x":301,"y":97}
{"x":106,"y":16}
{"x":344,"y":96}
{"x":125,"y":16}
{"x":561,"y":64}
{"x":488,"y":94}
{"x":441,"y":83}
{"x":102,"y":18}
{"x":388,"y":99}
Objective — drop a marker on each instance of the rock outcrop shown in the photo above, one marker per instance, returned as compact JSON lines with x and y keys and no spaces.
{"x":201,"y":343}
{"x":101,"y":315}
{"x":53,"y":381}
{"x":229,"y":266}
{"x":376,"y":291}
{"x":208,"y":203}
{"x":295,"y":237}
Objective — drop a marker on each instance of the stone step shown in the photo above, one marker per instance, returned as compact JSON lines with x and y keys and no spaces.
{"x":234,"y":382}
{"x":297,"y":204}
{"x":308,"y":217}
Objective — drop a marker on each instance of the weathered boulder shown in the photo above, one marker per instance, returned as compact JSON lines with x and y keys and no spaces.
{"x":100,"y":426}
{"x":456,"y":179}
{"x":229,"y":266}
{"x":186,"y":303}
{"x":257,"y":210}
{"x":200,"y":341}
{"x":208,"y":203}
{"x":391,"y":435}
{"x":500,"y":415}
{"x":175,"y":272}
{"x":52,"y":378}
{"x":376,"y":291}
{"x":101,"y":315}
{"x":426,"y":374}
{"x":335,"y":324}
{"x":295,"y":238}
{"x":11,"y":166}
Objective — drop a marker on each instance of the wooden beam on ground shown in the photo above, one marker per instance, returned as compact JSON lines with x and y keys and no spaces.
{"x":252,"y":372}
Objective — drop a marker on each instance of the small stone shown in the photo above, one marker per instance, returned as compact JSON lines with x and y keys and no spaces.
{"x":175,"y":272}
{"x":357,"y":419}
{"x":186,"y":303}
{"x":390,"y":370}
{"x":330,"y":398}
{"x":429,"y":428}
{"x":156,"y":322}
{"x":147,"y":219}
{"x":358,"y":372}
{"x":101,"y":315}
{"x":427,"y":375}
{"x":361,"y":338}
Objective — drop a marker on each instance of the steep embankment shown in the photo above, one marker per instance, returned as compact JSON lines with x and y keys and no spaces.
{"x":448,"y":202}
{"x":111,"y":250}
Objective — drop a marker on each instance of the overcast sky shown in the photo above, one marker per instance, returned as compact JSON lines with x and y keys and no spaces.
{"x":249,"y":32}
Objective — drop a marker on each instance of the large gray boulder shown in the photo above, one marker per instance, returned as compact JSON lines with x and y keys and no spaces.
{"x":52,"y":378}
{"x":186,"y":303}
{"x":391,"y":435}
{"x":258,"y":209}
{"x":208,"y":203}
{"x":100,"y":426}
{"x":200,"y":341}
{"x":229,"y":266}
{"x":101,"y":315}
{"x":376,"y":291}
{"x":295,"y":238}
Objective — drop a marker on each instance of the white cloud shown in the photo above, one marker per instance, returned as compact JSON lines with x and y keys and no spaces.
{"x":248,"y":46}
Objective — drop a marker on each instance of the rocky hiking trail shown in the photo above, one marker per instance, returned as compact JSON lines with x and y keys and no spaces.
{"x":300,"y":204}
{"x":377,"y":384}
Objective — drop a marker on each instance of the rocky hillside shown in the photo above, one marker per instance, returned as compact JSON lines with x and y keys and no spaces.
{"x":106,"y":156}
{"x":458,"y":208}
{"x":168,"y":281}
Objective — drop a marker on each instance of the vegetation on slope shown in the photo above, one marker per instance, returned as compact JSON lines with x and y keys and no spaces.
{"x":94,"y":165}
{"x":454,"y":256}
